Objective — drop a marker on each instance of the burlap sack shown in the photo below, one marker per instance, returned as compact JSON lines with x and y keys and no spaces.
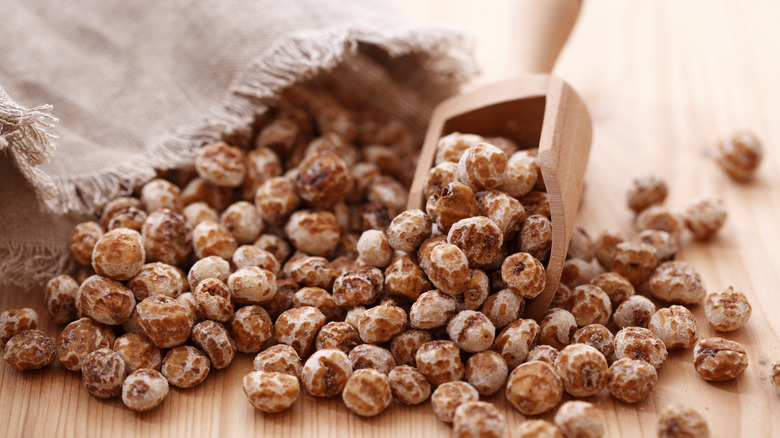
{"x":139,"y":85}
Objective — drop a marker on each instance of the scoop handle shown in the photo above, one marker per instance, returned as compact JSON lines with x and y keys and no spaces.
{"x":541,"y":29}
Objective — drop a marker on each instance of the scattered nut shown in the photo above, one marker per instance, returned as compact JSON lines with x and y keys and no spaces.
{"x":29,"y":350}
{"x":646,"y":191}
{"x":590,"y":305}
{"x":250,"y":328}
{"x":615,"y":285}
{"x":705,"y":216}
{"x":409,"y":386}
{"x":640,"y":343}
{"x":728,"y":310}
{"x":137,"y":351}
{"x":60,"y":296}
{"x":536,"y":237}
{"x":515,"y":340}
{"x":630,"y":380}
{"x":212,"y":239}
{"x":677,"y":282}
{"x":271,"y":392}
{"x":544,"y":353}
{"x":119,"y":254}
{"x":251,"y":285}
{"x":158,"y":279}
{"x":313,"y":232}
{"x":79,"y":338}
{"x":221,"y":164}
{"x":167,"y":237}
{"x":144,"y":389}
{"x":598,"y":337}
{"x":556,"y":328}
{"x":213,"y":299}
{"x":298,"y":327}
{"x":105,"y":300}
{"x":367,"y":392}
{"x":678,"y":421}
{"x":103,"y":373}
{"x":404,"y":346}
{"x":83,"y":239}
{"x":371,"y":356}
{"x":381,"y":323}
{"x":486,"y":371}
{"x":448,"y":396}
{"x":279,"y":358}
{"x":740,"y":155}
{"x":478,"y":419}
{"x":537,"y":429}
{"x":164,"y":320}
{"x":534,"y":388}
{"x":471,"y":331}
{"x":439,"y":361}
{"x":675,"y":326}
{"x":580,"y":419}
{"x":718,"y":359}
{"x":478,"y":237}
{"x":524,"y":274}
{"x":215,"y":341}
{"x":326,"y":372}
{"x":15,"y":321}
{"x":583,"y":370}
{"x":158,"y":194}
{"x":635,"y":311}
{"x":634,"y":261}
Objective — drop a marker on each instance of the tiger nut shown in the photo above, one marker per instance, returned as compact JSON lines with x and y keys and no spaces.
{"x":14,"y":321}
{"x":164,"y":320}
{"x":137,"y":351}
{"x":60,"y":296}
{"x":83,"y":239}
{"x":271,"y":392}
{"x":298,"y":327}
{"x":718,"y":359}
{"x":279,"y":358}
{"x":144,"y":389}
{"x":103,"y":373}
{"x":105,"y":300}
{"x":119,"y":254}
{"x":534,"y":388}
{"x":675,"y":326}
{"x":631,"y":380}
{"x":167,"y":237}
{"x":409,"y":386}
{"x":326,"y":372}
{"x":728,"y":310}
{"x":448,"y":396}
{"x":79,"y":338}
{"x":439,"y":361}
{"x":29,"y":350}
{"x":215,"y":341}
{"x":524,"y":275}
{"x":221,"y":164}
{"x":367,"y":392}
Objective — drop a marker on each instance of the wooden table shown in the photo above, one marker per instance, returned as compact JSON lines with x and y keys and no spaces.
{"x":663,"y":80}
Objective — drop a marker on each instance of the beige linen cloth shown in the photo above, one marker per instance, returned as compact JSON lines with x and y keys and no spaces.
{"x":132,"y":86}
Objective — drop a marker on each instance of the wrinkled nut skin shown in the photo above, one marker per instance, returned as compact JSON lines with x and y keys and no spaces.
{"x":581,"y":246}
{"x":449,"y":269}
{"x":214,"y":340}
{"x":718,"y":359}
{"x":251,"y":255}
{"x":448,"y":396}
{"x":615,"y":285}
{"x":665,"y":244}
{"x":439,"y":361}
{"x":478,"y":237}
{"x":262,"y":164}
{"x":775,"y":376}
{"x":29,"y":350}
{"x":678,"y":421}
{"x":198,"y":212}
{"x":677,"y":282}
{"x":409,"y":386}
{"x":159,"y":193}
{"x":535,"y":237}
{"x":14,"y":321}
{"x":605,"y":243}
{"x":740,"y":155}
{"x":404,"y":346}
{"x":60,"y":296}
{"x":660,"y":217}
{"x":103,"y":373}
{"x":580,"y":419}
{"x":408,"y":230}
{"x":252,"y":285}
{"x":630,"y":380}
{"x":314,"y":232}
{"x":323,"y":179}
{"x":279,"y":358}
{"x":167,"y":237}
{"x":298,"y":328}
{"x":243,"y":221}
{"x":471,"y":331}
{"x":337,"y":336}
{"x":210,"y":238}
{"x":358,"y":287}
{"x":404,"y":278}
{"x":537,"y":202}
{"x":276,"y":199}
{"x":577,"y":272}
{"x":158,"y":279}
{"x":209,"y":267}
{"x":590,"y":305}
{"x":250,"y":328}
{"x":367,"y":392}
{"x":477,"y":291}
{"x":144,"y":389}
{"x":220,"y":164}
{"x":105,"y":300}
{"x":381,"y":323}
{"x":675,"y":326}
{"x":635,"y":311}
{"x":117,"y":205}
{"x":482,"y":167}
{"x":452,"y":146}
{"x":83,"y":239}
{"x":431,"y":310}
{"x":520,"y":176}
{"x":598,"y":337}
{"x":583,"y":370}
{"x":424,"y":252}
{"x":544,"y":353}
{"x":165,"y":321}
{"x":374,"y":249}
{"x":456,"y":202}
{"x":325,"y":373}
{"x":515,"y":340}
{"x":213,"y":299}
{"x":640,"y":343}
{"x":524,"y":275}
{"x":313,"y":271}
{"x":634,"y":261}
{"x":557,"y":328}
{"x":728,"y":310}
{"x":476,"y":419}
{"x":486,"y":371}
{"x":705,"y":216}
{"x":503,"y":307}
{"x":371,"y":356}
{"x":271,"y":392}
{"x":534,"y":388}
{"x":646,"y":191}
{"x":119,"y":254}
{"x":200,"y":190}
{"x":79,"y":338}
{"x":137,"y":351}
{"x":537,"y":429}
{"x":505,"y":211}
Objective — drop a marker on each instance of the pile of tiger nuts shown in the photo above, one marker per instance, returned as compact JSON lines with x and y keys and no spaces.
{"x":297,"y":248}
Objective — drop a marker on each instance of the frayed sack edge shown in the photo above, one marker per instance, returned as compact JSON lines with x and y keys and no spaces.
{"x":295,"y":59}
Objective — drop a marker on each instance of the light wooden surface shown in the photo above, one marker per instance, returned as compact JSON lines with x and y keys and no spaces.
{"x":663,"y":80}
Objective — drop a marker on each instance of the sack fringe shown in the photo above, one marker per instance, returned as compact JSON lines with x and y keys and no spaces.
{"x":26,"y":265}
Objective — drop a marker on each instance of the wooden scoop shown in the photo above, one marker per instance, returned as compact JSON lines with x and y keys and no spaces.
{"x":536,"y":110}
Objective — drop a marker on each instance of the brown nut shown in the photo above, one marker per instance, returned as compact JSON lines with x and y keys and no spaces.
{"x":776,"y":376}
{"x":505,"y":211}
{"x":476,"y":292}
{"x":371,"y":356}
{"x":404,"y":278}
{"x":536,"y":202}
{"x":314,"y":232}
{"x":675,"y":326}
{"x":298,"y":327}
{"x":520,"y":176}
{"x":678,"y":421}
{"x":677,"y":282}
{"x":312,"y":271}
{"x":431,"y":310}
{"x":103,"y":373}
{"x":630,"y":380}
{"x":404,"y":346}
{"x":158,"y":279}
{"x":367,"y":392}
{"x":534,"y":388}
{"x":471,"y":331}
{"x":359,"y":287}
{"x":705,"y":216}
{"x":727,"y":310}
{"x":14,"y":321}
{"x":557,"y":328}
{"x":439,"y":361}
{"x":60,"y":296}
{"x":326,"y":372}
{"x":276,"y":199}
{"x":515,"y":340}
{"x":262,"y":164}
{"x":635,"y":311}
{"x":740,"y":155}
{"x":486,"y":371}
{"x":598,"y":337}
{"x":29,"y":350}
{"x":214,"y":339}
{"x":537,"y":429}
{"x":79,"y":338}
{"x":452,"y":146}
{"x":337,"y":336}
{"x":448,"y":396}
{"x":323,"y":179}
{"x":581,"y":246}
{"x":167,"y":237}
{"x":482,"y":167}
{"x":104,"y":300}
{"x":455,"y":202}
{"x":221,"y":164}
{"x":164,"y":320}
{"x":213,"y":299}
{"x":243,"y":221}
{"x":381,"y":323}
{"x":478,"y":237}
{"x":535,"y":237}
{"x":606,"y":242}
{"x":615,"y":285}
{"x":634,"y":261}
{"x":119,"y":254}
{"x":577,"y":272}
{"x":158,"y":194}
{"x":659,"y":217}
{"x":319,"y":298}
{"x":200,"y":190}
{"x":137,"y":351}
{"x":646,"y":191}
{"x":478,"y":419}
{"x":590,"y":305}
{"x":449,"y":269}
{"x":144,"y":389}
{"x":409,"y":386}
{"x":270,"y":391}
{"x":503,"y":307}
{"x":438,"y":178}
{"x":250,"y":328}
{"x":524,"y":275}
{"x":117,"y":205}
{"x":251,"y":285}
{"x":279,"y":358}
{"x":374,"y":250}
{"x":580,"y":419}
{"x":640,"y":343}
{"x":544,"y":353}
{"x":665,"y":244}
{"x":209,"y":267}
{"x":212,"y":239}
{"x":718,"y":359}
{"x":386,"y":190}
{"x":583,"y":370}
{"x":83,"y":239}
{"x":251,"y":255}
{"x":408,"y":230}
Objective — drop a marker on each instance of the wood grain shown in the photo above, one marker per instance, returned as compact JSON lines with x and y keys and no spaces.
{"x":662,"y":80}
